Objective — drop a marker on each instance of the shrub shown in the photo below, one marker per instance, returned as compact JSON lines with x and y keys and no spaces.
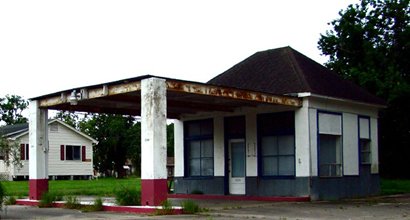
{"x":97,"y":206}
{"x":197,"y":191}
{"x":190,"y":207}
{"x":47,"y":199}
{"x":127,"y":196}
{"x":71,"y":202}
{"x":2,"y":193}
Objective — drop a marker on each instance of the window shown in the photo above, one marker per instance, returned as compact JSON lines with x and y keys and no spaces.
{"x":364,"y":141}
{"x":330,"y":146}
{"x":72,"y":152}
{"x":276,"y":134}
{"x":199,"y":148}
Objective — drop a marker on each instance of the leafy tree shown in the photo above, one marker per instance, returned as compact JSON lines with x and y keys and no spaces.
{"x":69,"y":117}
{"x":114,"y":135}
{"x":11,"y":108}
{"x":369,"y":44}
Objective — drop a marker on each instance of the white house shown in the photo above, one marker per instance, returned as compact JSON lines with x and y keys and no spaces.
{"x":277,"y":124}
{"x":70,"y":152}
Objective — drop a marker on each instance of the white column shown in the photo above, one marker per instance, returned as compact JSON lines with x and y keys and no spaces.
{"x":179,"y":148}
{"x":219,"y":146}
{"x":302,"y":140}
{"x":251,"y":145}
{"x":350,"y":144}
{"x":38,"y":152}
{"x":374,"y":147}
{"x":153,"y":141}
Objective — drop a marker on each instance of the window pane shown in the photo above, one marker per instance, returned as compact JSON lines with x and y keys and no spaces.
{"x":207,"y":165}
{"x":193,"y":129}
{"x":194,"y":167}
{"x":327,"y":149}
{"x":207,"y":148}
{"x":286,"y":165}
{"x":194,"y":149}
{"x":270,"y":166}
{"x":69,"y":152}
{"x":269,"y":146}
{"x":206,"y":127}
{"x":238,"y":159}
{"x":76,"y":152}
{"x":286,"y":145}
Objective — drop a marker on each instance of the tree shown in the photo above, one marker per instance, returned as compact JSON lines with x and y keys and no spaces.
{"x":115,"y":136}
{"x":11,"y":108}
{"x":369,"y":44}
{"x":68,"y":117}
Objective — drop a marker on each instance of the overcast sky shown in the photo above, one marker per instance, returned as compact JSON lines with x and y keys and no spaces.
{"x":49,"y":46}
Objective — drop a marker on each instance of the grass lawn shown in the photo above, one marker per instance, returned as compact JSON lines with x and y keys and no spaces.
{"x":97,"y":187}
{"x":392,"y":186}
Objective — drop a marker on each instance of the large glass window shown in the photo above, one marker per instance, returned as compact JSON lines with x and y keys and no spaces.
{"x":276,"y":134}
{"x":199,"y":148}
{"x":330,"y":146}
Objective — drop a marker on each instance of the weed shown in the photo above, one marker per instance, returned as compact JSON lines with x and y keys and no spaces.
{"x":127,"y":196}
{"x":97,"y":206}
{"x":190,"y":207}
{"x":47,"y":199}
{"x":71,"y":202}
{"x":196,"y":191}
{"x":166,"y":208}
{"x":11,"y":200}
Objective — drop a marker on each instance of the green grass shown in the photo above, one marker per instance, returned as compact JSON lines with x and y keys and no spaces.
{"x":98,"y":187}
{"x":394,"y":186}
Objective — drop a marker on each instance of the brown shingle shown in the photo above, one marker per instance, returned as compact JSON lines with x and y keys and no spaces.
{"x":284,"y":71}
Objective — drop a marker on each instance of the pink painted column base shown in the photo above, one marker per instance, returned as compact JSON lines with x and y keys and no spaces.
{"x":37,"y":187}
{"x":153,"y":191}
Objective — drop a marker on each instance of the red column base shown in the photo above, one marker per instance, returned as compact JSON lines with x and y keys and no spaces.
{"x":37,"y":187}
{"x":153,"y":191}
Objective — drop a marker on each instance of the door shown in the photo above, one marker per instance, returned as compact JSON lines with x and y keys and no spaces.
{"x":237,"y":166}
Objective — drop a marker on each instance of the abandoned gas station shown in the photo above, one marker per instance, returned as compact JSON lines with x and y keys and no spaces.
{"x":278,"y":124}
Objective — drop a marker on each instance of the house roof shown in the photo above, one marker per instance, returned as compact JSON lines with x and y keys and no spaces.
{"x":286,"y":71}
{"x":18,"y":130}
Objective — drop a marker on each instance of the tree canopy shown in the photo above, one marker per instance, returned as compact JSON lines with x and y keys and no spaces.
{"x":11,"y":108}
{"x":370,"y":44}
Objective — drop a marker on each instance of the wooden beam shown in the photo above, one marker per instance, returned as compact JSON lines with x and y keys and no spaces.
{"x":231,"y":93}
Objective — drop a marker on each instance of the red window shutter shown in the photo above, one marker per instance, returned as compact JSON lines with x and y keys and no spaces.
{"x":22,"y":152}
{"x":83,"y":153}
{"x":62,"y":152}
{"x":28,"y":152}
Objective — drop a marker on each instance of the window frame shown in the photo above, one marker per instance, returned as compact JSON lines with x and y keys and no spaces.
{"x":73,"y":152}
{"x":201,"y":138}
{"x":262,"y":132}
{"x":367,"y":141}
{"x":340,"y":142}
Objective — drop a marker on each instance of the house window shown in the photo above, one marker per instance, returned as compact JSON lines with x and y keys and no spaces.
{"x":199,"y":148}
{"x":330,"y":146}
{"x":24,"y":151}
{"x":72,"y":152}
{"x":276,"y":134}
{"x":364,"y":140}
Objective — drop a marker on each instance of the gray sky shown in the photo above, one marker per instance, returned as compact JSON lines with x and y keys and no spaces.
{"x":48,"y":46}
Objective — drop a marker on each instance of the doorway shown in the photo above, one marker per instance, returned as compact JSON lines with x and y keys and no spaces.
{"x":237,"y":166}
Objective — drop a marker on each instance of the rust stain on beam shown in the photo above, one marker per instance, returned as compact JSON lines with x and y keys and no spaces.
{"x":105,"y":90}
{"x":201,"y":89}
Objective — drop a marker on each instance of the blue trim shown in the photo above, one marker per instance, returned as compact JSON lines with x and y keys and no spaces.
{"x":318,"y":111}
{"x":187,"y":139}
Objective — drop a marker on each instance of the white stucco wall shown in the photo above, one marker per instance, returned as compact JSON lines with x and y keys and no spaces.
{"x":178,"y":148}
{"x":251,"y":145}
{"x":219,"y":155}
{"x":350,"y":144}
{"x":374,"y":146}
{"x":302,"y":141}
